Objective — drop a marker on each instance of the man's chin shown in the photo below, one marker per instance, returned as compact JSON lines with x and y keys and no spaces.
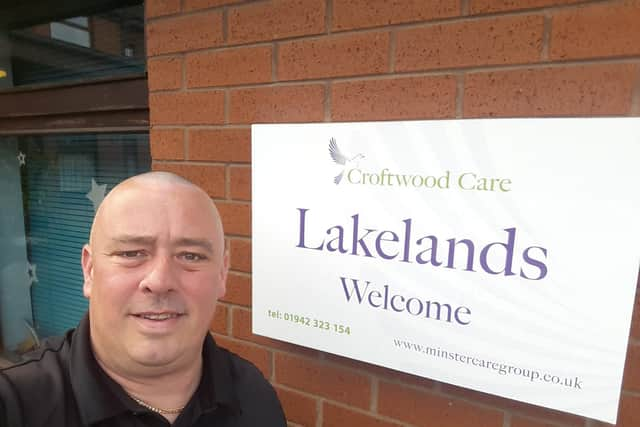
{"x":155,"y":355}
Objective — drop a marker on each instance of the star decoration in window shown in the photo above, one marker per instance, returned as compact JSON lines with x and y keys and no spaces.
{"x":31,"y":274}
{"x":22,"y":158}
{"x":97,"y":193}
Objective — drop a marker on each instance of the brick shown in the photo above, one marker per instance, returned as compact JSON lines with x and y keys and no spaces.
{"x":489,"y":6}
{"x":155,"y":8}
{"x":240,"y":251}
{"x":277,"y":104}
{"x":219,"y":323}
{"x":167,"y":144}
{"x":407,"y":379}
{"x":241,"y":328}
{"x":421,"y":408}
{"x":490,"y":41}
{"x":524,"y":422}
{"x":43,"y":30}
{"x":182,"y":108}
{"x":240,"y":182}
{"x":598,"y":30}
{"x":222,"y":145}
{"x":333,"y":56}
{"x":336,"y":416}
{"x":190,"y":5}
{"x":566,"y":91}
{"x":229,"y":67}
{"x":105,"y":36}
{"x":389,"y":99}
{"x":323,"y":380}
{"x":257,"y":355}
{"x":635,"y":320}
{"x":382,"y":372}
{"x":353,"y":364}
{"x":238,"y":290}
{"x":628,"y":415}
{"x":276,"y":19}
{"x":236,"y":217}
{"x":164,"y":73}
{"x":513,"y":406}
{"x":298,"y":408}
{"x":208,"y":177}
{"x":184,"y":33}
{"x":631,"y":379}
{"x":350,"y":14}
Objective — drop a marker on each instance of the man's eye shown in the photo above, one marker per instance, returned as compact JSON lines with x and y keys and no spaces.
{"x":129,"y":254}
{"x":190,"y":256}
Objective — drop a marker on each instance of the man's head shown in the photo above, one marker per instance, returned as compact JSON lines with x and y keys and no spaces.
{"x":153,"y":270}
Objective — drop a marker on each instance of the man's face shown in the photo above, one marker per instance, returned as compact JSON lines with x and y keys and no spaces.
{"x":153,"y":272}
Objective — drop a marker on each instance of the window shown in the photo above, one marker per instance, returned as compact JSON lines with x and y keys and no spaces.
{"x":52,"y":185}
{"x":82,"y":47}
{"x":73,"y":122}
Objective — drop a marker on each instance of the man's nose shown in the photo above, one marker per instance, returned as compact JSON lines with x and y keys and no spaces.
{"x":161,"y":276}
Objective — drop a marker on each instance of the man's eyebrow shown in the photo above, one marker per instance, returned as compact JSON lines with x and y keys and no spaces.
{"x":205,"y":244}
{"x":134,"y":239}
{"x":202,"y":243}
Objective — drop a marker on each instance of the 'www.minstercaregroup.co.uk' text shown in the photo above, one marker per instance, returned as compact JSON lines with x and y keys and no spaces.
{"x":500,"y":368}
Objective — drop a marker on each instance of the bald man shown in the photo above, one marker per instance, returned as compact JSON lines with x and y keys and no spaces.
{"x":153,"y":270}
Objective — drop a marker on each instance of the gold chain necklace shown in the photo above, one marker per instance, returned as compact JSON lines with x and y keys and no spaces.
{"x":160,"y":411}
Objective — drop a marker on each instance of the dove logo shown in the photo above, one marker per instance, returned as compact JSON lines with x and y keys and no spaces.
{"x":341,"y":159}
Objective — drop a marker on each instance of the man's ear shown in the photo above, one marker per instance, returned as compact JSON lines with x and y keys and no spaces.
{"x":87,"y":270}
{"x":224,"y":271}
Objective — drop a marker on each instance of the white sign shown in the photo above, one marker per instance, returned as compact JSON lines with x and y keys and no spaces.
{"x":497,"y":255}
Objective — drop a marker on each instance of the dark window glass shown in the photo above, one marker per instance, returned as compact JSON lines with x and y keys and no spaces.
{"x":82,"y":47}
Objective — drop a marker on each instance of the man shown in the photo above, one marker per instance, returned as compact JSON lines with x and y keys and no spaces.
{"x":153,"y":269}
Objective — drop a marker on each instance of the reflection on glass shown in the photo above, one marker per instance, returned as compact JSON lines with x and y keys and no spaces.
{"x":70,"y":34}
{"x":80,"y":21}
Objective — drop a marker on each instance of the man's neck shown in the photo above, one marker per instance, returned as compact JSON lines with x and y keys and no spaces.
{"x":166,"y":388}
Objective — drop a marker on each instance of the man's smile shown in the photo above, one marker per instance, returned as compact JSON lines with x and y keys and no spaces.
{"x":158,"y":316}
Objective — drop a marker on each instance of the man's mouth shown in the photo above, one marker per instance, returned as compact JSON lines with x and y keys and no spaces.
{"x":158,"y":316}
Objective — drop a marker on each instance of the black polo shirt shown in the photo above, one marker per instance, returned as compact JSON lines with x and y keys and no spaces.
{"x":62,"y":385}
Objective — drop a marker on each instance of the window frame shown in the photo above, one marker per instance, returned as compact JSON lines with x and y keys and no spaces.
{"x":72,"y":107}
{"x":111,"y":104}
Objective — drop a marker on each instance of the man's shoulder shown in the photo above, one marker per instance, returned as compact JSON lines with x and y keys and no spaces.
{"x":245,"y":375}
{"x":50,"y":356}
{"x":39,"y":372}
{"x":255,"y":396}
{"x":242,"y":369}
{"x":39,"y":378}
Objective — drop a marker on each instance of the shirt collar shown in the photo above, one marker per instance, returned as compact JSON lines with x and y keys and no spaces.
{"x":93,"y":389}
{"x":99,"y":397}
{"x":217,"y":382}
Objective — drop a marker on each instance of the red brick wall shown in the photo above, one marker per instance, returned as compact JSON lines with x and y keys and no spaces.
{"x":216,"y":66}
